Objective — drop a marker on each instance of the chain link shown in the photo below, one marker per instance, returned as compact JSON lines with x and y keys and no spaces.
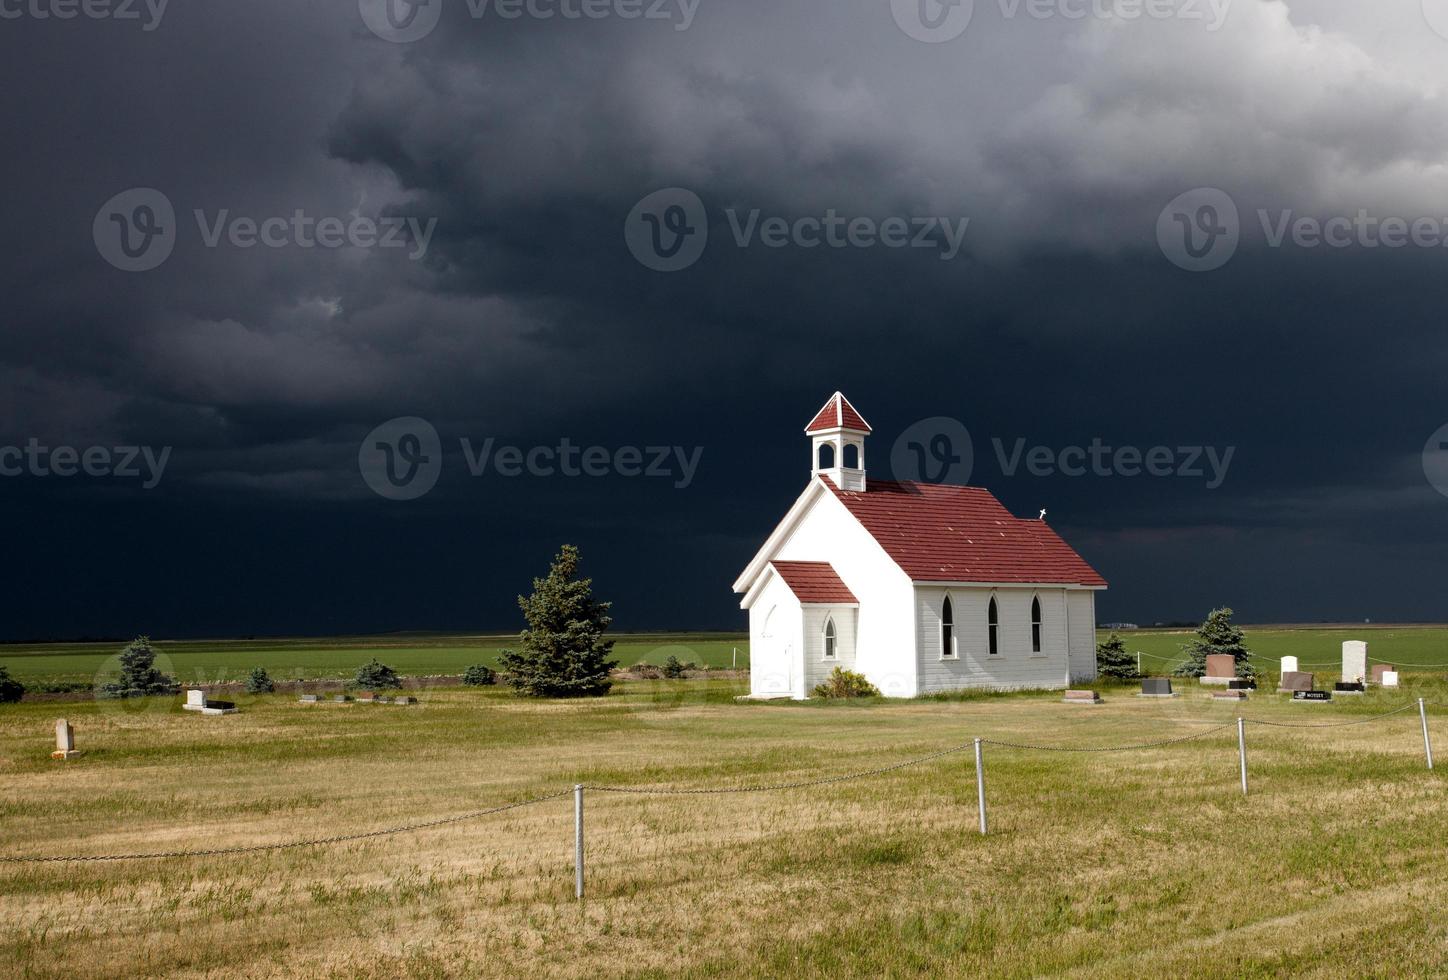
{"x":1333,"y":724}
{"x":285,"y":845}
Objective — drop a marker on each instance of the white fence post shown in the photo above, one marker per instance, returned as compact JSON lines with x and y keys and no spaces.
{"x":980,"y":784}
{"x":1242,"y":751}
{"x":578,"y":840}
{"x":1427,"y":744}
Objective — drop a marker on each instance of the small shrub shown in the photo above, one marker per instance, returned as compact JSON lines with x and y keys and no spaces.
{"x":647,"y":672}
{"x":10,"y":689}
{"x":480,"y":675}
{"x":1112,"y":660}
{"x":673,"y":669}
{"x":376,"y":676}
{"x":139,"y":676}
{"x":844,"y":683}
{"x":260,"y":682}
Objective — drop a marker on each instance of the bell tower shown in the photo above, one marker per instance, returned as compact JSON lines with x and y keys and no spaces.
{"x":837,"y":443}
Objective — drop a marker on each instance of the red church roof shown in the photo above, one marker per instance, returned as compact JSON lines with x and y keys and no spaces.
{"x":815,"y":582}
{"x":838,"y":413}
{"x":962,"y":534}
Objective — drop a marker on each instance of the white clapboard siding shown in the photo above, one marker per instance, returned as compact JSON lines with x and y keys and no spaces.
{"x":1016,"y":666}
{"x":1083,"y":635}
{"x":816,"y":667}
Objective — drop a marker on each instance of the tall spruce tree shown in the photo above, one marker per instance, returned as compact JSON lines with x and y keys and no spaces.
{"x":1218,"y":634}
{"x":139,"y":676}
{"x":1112,"y":660}
{"x":564,"y":654}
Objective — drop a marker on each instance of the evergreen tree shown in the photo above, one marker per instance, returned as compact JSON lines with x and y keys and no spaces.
{"x":480,"y":675}
{"x":376,"y":676}
{"x":10,"y":688}
{"x":1217,"y":635}
{"x":1112,"y":660}
{"x":260,"y":682}
{"x":139,"y":676}
{"x":563,"y":652}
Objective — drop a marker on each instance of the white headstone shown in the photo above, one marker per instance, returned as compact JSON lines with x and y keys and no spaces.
{"x":195,"y":699}
{"x":64,"y":740}
{"x":1289,"y":665}
{"x":1354,"y":661}
{"x":1390,"y":678}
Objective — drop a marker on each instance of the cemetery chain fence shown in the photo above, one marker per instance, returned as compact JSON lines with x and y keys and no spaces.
{"x":577,"y":791}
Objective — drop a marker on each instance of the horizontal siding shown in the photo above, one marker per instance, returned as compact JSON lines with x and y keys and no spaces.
{"x":1083,"y":636}
{"x":816,"y":668}
{"x":1016,"y":666}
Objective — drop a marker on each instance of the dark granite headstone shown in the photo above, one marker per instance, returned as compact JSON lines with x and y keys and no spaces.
{"x":1242,"y":684}
{"x":1293,"y":680}
{"x":1348,"y":687}
{"x":1156,"y":687}
{"x":223,"y":705}
{"x":1311,"y":696}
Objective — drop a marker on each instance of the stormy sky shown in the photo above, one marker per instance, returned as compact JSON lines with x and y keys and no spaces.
{"x":247,"y":245}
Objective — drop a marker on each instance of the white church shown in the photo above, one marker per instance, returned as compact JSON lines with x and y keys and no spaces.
{"x":918,"y":586}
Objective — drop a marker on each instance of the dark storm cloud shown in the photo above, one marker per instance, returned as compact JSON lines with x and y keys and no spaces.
{"x":528,"y":142}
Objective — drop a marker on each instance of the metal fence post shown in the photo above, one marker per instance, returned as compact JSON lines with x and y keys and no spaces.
{"x":1242,"y":751}
{"x":980,"y":784}
{"x":578,"y":840}
{"x":1427,"y":744}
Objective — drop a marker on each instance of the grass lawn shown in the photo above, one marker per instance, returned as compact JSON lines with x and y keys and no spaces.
{"x":1140,"y":863}
{"x":215,"y":661}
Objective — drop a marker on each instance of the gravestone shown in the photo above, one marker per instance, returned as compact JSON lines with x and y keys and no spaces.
{"x":195,"y":700}
{"x":1390,"y":678}
{"x":1379,"y":670}
{"x":1289,"y":665}
{"x":309,"y":699}
{"x":64,"y":741}
{"x":1296,"y":681}
{"x":219,"y":708}
{"x":404,"y":699}
{"x":1221,"y":668}
{"x":1242,"y":684}
{"x":1354,"y":660}
{"x":341,"y":698}
{"x":1311,"y":697}
{"x":1347,"y":687}
{"x":1081,"y":697}
{"x":1156,"y":687}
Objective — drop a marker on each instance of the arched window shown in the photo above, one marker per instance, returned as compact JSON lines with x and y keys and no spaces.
{"x":1036,"y":625}
{"x":947,"y":629}
{"x":829,"y":639}
{"x":827,"y":456}
{"x":852,"y":456}
{"x":993,"y":621}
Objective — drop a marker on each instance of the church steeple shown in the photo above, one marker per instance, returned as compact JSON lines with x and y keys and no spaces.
{"x":837,"y":443}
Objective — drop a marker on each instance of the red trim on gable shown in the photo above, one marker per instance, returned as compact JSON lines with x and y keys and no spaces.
{"x":814,"y":582}
{"x":963,"y":534}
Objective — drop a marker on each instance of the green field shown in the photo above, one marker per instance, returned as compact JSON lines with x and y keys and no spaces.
{"x":1148,"y":862}
{"x":215,"y":661}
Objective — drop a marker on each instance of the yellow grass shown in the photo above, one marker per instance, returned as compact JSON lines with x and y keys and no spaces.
{"x":1127,"y":864}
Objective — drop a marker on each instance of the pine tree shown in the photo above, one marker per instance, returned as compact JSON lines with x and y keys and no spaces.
{"x":260,"y":682}
{"x":10,"y":688}
{"x":1112,"y":660}
{"x":139,"y":676}
{"x":1218,"y":635}
{"x":563,"y":653}
{"x":375,"y":675}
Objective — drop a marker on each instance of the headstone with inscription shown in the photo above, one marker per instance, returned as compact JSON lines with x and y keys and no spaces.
{"x":1354,"y":660}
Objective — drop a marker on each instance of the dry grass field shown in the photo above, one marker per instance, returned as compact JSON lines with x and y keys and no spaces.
{"x":1137,"y":863}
